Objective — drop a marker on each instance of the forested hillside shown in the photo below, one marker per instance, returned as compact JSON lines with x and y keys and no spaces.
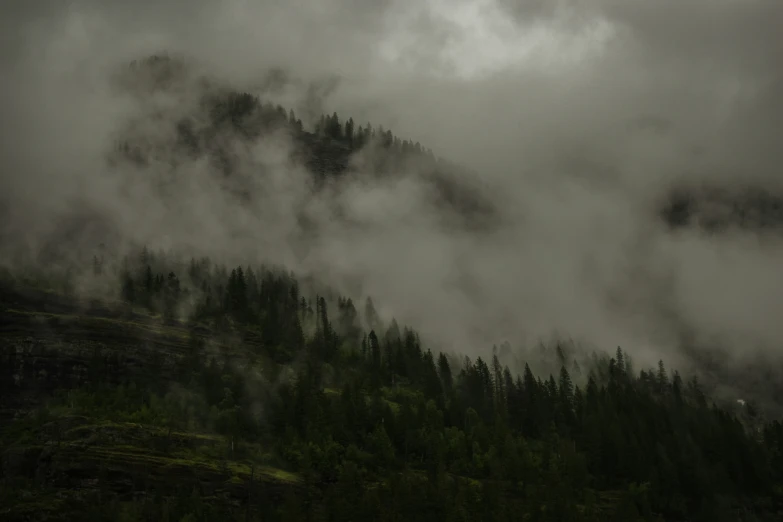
{"x":150,"y":384}
{"x":202,"y":392}
{"x":215,"y":122}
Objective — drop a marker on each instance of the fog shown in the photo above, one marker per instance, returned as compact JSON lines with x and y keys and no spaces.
{"x":577,"y":120}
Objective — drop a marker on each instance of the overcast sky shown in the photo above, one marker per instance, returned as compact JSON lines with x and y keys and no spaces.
{"x":581,"y":113}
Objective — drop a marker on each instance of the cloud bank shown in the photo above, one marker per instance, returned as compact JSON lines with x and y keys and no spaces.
{"x":578,"y":119}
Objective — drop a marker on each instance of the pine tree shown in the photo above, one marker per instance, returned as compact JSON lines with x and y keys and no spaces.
{"x":349,"y":137}
{"x":566,"y":388}
{"x":620,"y":358}
{"x":335,"y":128}
{"x":444,"y":372}
{"x":662,"y":379}
{"x":375,"y":359}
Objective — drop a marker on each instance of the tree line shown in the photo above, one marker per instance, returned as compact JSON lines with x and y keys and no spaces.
{"x":377,"y":423}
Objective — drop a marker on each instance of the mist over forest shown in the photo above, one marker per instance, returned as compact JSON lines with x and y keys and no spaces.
{"x":593,"y":188}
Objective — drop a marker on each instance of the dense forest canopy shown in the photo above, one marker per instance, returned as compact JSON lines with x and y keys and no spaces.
{"x":364,"y":419}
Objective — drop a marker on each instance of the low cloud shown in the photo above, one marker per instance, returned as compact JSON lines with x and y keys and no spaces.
{"x":578,"y":139}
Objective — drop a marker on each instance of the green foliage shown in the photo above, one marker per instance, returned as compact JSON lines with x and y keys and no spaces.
{"x":360,"y":425}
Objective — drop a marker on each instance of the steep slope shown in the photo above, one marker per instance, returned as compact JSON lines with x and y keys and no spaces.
{"x":266,"y":405}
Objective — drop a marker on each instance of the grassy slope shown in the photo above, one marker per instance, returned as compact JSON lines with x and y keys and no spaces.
{"x":77,"y":453}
